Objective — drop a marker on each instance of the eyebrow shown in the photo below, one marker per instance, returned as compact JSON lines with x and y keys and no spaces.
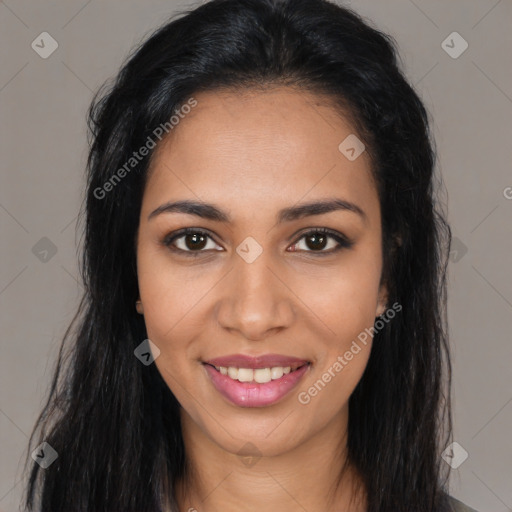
{"x":212,"y":212}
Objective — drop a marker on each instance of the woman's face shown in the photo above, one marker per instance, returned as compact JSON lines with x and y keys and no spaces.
{"x":251,"y":283}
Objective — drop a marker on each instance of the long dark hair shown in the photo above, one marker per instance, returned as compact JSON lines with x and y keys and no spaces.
{"x":112,"y":420}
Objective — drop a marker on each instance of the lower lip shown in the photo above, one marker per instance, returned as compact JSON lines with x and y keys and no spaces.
{"x":254,"y":394}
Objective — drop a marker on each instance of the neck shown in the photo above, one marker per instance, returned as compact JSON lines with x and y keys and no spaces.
{"x":314,"y":476}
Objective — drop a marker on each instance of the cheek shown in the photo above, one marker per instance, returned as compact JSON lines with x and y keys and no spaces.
{"x":167,"y":292}
{"x":347,"y":307}
{"x":343,"y":299}
{"x":164,"y":298}
{"x":343,"y":303}
{"x":176,"y":305}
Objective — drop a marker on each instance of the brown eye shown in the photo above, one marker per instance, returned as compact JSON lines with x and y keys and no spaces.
{"x":318,"y":240}
{"x":195,"y":241}
{"x":190,"y":240}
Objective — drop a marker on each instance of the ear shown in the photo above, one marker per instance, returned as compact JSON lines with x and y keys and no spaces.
{"x":382,"y":300}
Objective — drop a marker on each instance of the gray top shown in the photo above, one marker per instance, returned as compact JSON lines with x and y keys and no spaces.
{"x":458,"y":506}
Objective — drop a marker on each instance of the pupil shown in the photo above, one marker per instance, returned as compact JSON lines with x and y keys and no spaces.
{"x":317,"y":238}
{"x":195,"y":237}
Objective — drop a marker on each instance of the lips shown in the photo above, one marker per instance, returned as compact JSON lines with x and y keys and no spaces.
{"x":254,"y":362}
{"x":274,"y":377}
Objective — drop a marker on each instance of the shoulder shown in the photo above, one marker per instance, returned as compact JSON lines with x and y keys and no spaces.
{"x":458,"y":506}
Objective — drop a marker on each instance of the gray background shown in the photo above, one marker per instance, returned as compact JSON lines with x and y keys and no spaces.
{"x":43,"y":146}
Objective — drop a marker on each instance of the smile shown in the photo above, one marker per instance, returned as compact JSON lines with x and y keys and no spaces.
{"x":255,"y":387}
{"x":260,"y":375}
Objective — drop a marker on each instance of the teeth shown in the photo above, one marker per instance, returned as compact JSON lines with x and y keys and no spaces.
{"x":277,"y":372}
{"x":245,"y":374}
{"x":260,"y":375}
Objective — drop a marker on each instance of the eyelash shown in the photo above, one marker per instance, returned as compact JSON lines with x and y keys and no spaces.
{"x":343,"y":242}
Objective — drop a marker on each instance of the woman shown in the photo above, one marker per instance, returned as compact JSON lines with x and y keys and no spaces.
{"x":264,"y":316}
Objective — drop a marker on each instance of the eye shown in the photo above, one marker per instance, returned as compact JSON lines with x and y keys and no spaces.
{"x":193,"y":241}
{"x":317,"y":241}
{"x":190,"y":240}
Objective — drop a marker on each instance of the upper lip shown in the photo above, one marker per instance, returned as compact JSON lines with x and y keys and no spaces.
{"x":262,"y":361}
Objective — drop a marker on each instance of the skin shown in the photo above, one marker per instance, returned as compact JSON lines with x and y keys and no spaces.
{"x":252,"y":154}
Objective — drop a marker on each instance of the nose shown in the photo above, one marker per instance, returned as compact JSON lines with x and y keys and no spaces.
{"x":255,"y":301}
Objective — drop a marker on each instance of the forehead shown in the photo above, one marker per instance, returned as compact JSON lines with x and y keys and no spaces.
{"x":258,"y":147}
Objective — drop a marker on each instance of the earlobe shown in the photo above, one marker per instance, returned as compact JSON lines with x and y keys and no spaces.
{"x":138,"y":307}
{"x":382,"y":302}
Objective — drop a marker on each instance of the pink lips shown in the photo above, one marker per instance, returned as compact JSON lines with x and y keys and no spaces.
{"x":254,"y":394}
